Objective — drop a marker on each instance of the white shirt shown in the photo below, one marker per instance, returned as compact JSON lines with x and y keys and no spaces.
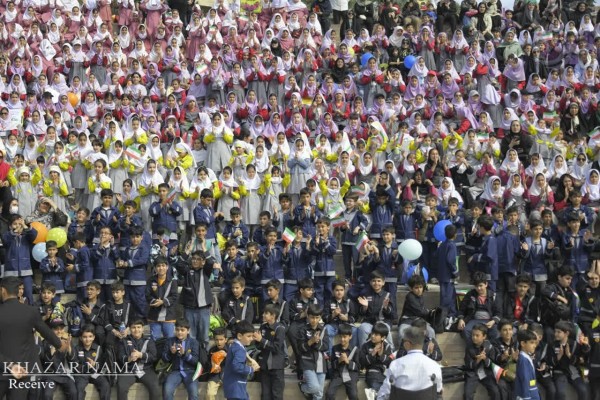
{"x":411,"y":372}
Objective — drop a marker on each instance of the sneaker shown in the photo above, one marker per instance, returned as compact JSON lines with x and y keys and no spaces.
{"x":434,"y":281}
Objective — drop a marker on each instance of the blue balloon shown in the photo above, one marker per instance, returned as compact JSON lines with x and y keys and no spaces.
{"x":409,"y":61}
{"x":439,"y":230}
{"x":39,"y":252}
{"x":365,"y":59}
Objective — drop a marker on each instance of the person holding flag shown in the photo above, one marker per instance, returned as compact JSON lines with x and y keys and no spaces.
{"x":352,"y":223}
{"x":165,"y":211}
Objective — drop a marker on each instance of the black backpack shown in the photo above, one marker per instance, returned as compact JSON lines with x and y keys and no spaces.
{"x":437,"y":319}
{"x":74,"y":318}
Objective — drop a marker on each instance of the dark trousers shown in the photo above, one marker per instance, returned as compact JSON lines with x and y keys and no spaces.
{"x":429,"y":249}
{"x":325,"y":22}
{"x":452,"y":19}
{"x":548,"y":385}
{"x":392,"y":289}
{"x":150,"y":380}
{"x":323,"y":291}
{"x":101,"y":383}
{"x":106,"y":292}
{"x":351,"y":389}
{"x":507,"y":286}
{"x":292,"y":336}
{"x":374,"y":380}
{"x":339,"y":16}
{"x":67,"y":384}
{"x":347,"y":254}
{"x":136,"y":295}
{"x":595,"y":388}
{"x":561,"y":381}
{"x":272,"y":383}
{"x":488,"y":382}
{"x":448,"y":298}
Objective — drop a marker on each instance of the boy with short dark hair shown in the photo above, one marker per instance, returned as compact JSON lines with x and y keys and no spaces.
{"x":382,"y":211}
{"x":138,"y":354}
{"x":237,"y":372}
{"x":105,"y":215}
{"x":298,"y":314}
{"x":558,"y":300}
{"x":251,"y":272}
{"x":273,"y":290}
{"x":236,"y":230}
{"x":576,"y":246}
{"x":232,"y":265}
{"x":313,"y":345}
{"x":522,"y":308}
{"x":345,"y":362}
{"x":18,"y":242}
{"x":48,"y":304}
{"x":525,"y":382}
{"x":117,"y":316}
{"x":479,"y":306}
{"x":93,"y":310}
{"x":563,"y":358}
{"x":89,"y":356}
{"x":270,"y":259}
{"x":297,"y":264}
{"x":260,"y":232}
{"x":128,"y":220}
{"x":161,"y":296}
{"x":446,"y":258}
{"x":486,"y":259}
{"x":52,"y":268}
{"x":340,"y":311}
{"x":79,"y":261}
{"x":323,"y":249}
{"x":535,"y":251}
{"x":388,"y":262}
{"x":306,"y":214}
{"x":164,"y":213}
{"x":134,"y":260}
{"x":270,"y":340}
{"x":376,"y":355}
{"x":354,"y":223}
{"x":414,"y":306}
{"x":216,"y":355}
{"x":57,"y":362}
{"x":81,"y":224}
{"x":236,"y":306}
{"x":104,"y":261}
{"x":478,"y":363}
{"x":182,"y":351}
{"x":375,"y":307}
{"x":204,"y":212}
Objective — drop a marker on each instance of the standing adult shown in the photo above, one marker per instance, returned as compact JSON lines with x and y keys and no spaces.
{"x":414,"y":376}
{"x":17,"y":345}
{"x":447,"y":12}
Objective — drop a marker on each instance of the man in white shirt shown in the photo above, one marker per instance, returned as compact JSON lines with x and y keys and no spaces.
{"x":414,"y":376}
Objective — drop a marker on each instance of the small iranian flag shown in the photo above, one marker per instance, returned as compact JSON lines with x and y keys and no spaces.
{"x":172,"y":194}
{"x":595,"y":134}
{"x":202,"y":68}
{"x":497,"y":371}
{"x":198,"y":372}
{"x":335,"y":211}
{"x":288,"y":235}
{"x":483,"y":137}
{"x":356,"y":190}
{"x":363,"y":239}
{"x":550,"y":116}
{"x":338,"y":222}
{"x":544,"y":37}
{"x":243,"y":18}
{"x":133,"y":153}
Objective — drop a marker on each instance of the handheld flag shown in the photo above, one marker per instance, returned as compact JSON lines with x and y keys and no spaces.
{"x":338,"y":222}
{"x":133,"y":153}
{"x":288,"y":235}
{"x":498,"y":371}
{"x":363,"y":239}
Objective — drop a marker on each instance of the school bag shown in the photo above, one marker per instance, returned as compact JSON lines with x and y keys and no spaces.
{"x":73,"y":318}
{"x":437,"y":319}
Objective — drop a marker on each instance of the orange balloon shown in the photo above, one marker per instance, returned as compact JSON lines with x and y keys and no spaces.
{"x":42,"y":231}
{"x":73,"y":99}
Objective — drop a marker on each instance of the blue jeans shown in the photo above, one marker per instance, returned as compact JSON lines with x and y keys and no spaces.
{"x":162,"y":329}
{"x":175,"y":379}
{"x":314,"y":382}
{"x":28,"y":288}
{"x":137,"y":297}
{"x":333,"y":329}
{"x":199,"y":319}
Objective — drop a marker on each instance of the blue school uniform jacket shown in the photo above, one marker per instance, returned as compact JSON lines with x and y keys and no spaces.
{"x":137,"y":260}
{"x":83,"y":268}
{"x":241,"y":240}
{"x":271,"y":264}
{"x":87,"y":228}
{"x":323,"y":253}
{"x":389,"y":262}
{"x":534,"y":258}
{"x":304,"y":218}
{"x":206,"y":215}
{"x":508,"y":246}
{"x":445,"y":258}
{"x":381,"y":215}
{"x":232,"y":267}
{"x":165,"y":217}
{"x":577,"y":255}
{"x":103,"y":263}
{"x":406,"y":226}
{"x":18,"y":252}
{"x":459,"y":222}
{"x":107,"y":218}
{"x":486,"y":260}
{"x":53,"y":273}
{"x":186,"y":362}
{"x":298,"y":264}
{"x":125,"y":229}
{"x":355,"y":218}
{"x":236,"y":373}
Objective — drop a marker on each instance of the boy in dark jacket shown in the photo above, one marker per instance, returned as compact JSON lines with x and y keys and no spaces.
{"x":236,"y":230}
{"x":431,"y":348}
{"x":117,"y":315}
{"x":236,"y":306}
{"x":182,"y":351}
{"x":345,"y":362}
{"x":58,"y":362}
{"x":479,"y":354}
{"x":138,"y":352}
{"x":354,"y":223}
{"x":414,"y":307}
{"x":522,"y":308}
{"x":216,"y":355}
{"x":406,"y":222}
{"x":251,"y":273}
{"x":323,"y":248}
{"x":128,"y":220}
{"x":486,"y":258}
{"x":78,"y":260}
{"x":313,"y":344}
{"x":375,"y":306}
{"x":577,"y":244}
{"x":94,"y":311}
{"x":81,"y":224}
{"x":564,"y":357}
{"x":271,"y":258}
{"x":381,"y":203}
{"x":558,"y":301}
{"x":270,"y":340}
{"x":306,"y":214}
{"x":105,"y":215}
{"x":89,"y":357}
{"x":18,"y":242}
{"x":134,"y":260}
{"x":273,"y":290}
{"x":161,"y":296}
{"x":104,"y":262}
{"x":298,"y":264}
{"x":446,"y":259}
{"x":52,"y":268}
{"x":298,"y":316}
{"x":376,"y":355}
{"x":204,"y":212}
{"x":232,"y":266}
{"x":535,"y":251}
{"x":479,"y":306}
{"x":388,"y":262}
{"x":196,"y":295}
{"x":164,"y":213}
{"x":340,"y":311}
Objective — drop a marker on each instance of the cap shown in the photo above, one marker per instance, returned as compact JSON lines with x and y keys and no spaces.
{"x":56,"y":322}
{"x":473,"y":93}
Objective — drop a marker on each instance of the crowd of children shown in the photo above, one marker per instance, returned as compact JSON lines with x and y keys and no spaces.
{"x":238,"y":150}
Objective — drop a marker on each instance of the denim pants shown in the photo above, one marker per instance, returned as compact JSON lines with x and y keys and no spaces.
{"x":162,"y":329}
{"x":332,"y":331}
{"x":199,"y":319}
{"x":175,"y":379}
{"x":314,"y":383}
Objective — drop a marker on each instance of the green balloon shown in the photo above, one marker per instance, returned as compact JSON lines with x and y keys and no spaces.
{"x":58,"y":235}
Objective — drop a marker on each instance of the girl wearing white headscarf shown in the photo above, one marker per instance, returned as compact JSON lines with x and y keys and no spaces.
{"x":300,"y":167}
{"x":218,"y":151}
{"x":118,"y":169}
{"x":446,"y":191}
{"x":493,"y":193}
{"x":148,"y":183}
{"x":251,"y":200}
{"x":179,"y":182}
{"x":591,"y":188}
{"x":56,"y":188}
